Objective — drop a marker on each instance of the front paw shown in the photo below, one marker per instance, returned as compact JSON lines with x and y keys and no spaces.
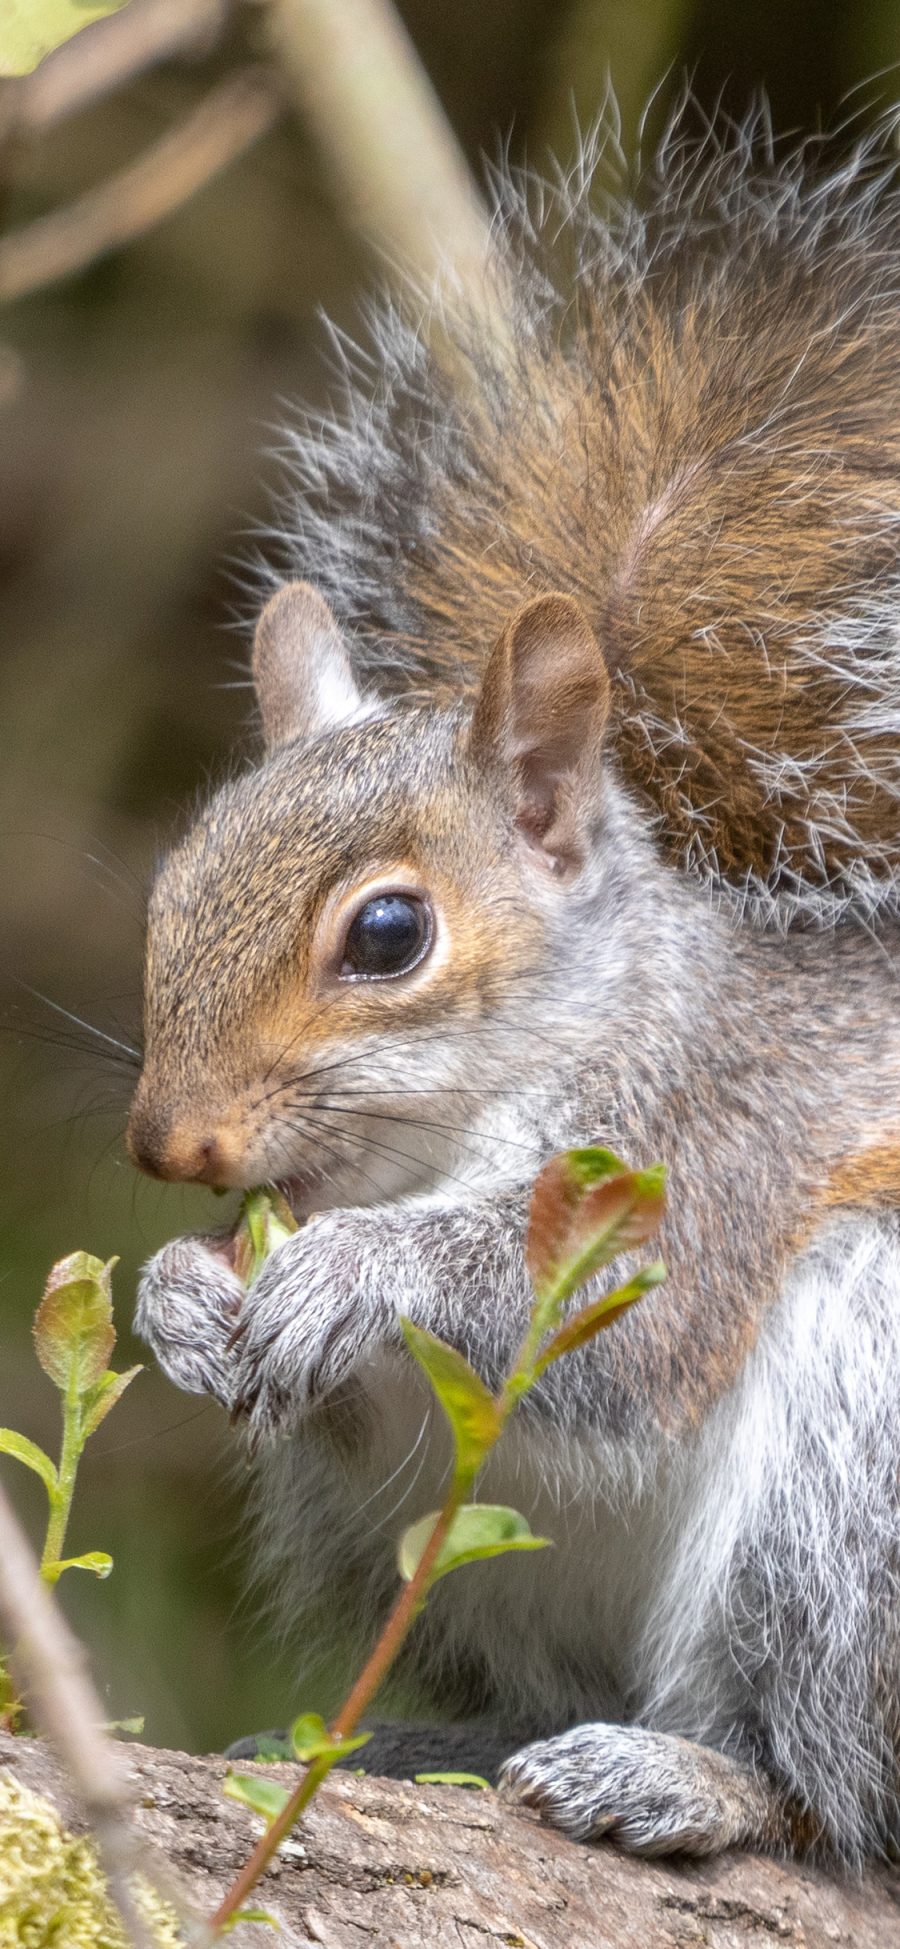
{"x":650,"y":1792}
{"x":189,"y":1304}
{"x":315,"y":1311}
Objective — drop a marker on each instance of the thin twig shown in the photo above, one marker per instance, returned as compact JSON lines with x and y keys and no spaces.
{"x":357,"y":82}
{"x":228,"y":120}
{"x":113,"y":51}
{"x":52,"y":1669}
{"x":409,"y":1601}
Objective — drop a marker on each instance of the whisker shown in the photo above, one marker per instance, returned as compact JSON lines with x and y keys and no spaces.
{"x":317,"y":1135}
{"x":395,"y":1472}
{"x":445,"y":1089}
{"x":426,"y":1123}
{"x":389,"y":1151}
{"x":381,"y":1525}
{"x":390,"y":1044}
{"x":125,"y":881}
{"x":53,"y":1038}
{"x":89,"y":1027}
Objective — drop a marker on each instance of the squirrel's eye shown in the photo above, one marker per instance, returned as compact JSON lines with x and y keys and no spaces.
{"x":387,"y":937}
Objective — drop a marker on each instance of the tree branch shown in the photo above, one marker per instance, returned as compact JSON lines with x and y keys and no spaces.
{"x":53,"y":1672}
{"x":228,"y":120}
{"x":358,"y":84}
{"x":391,"y":1865}
{"x":112,"y":52}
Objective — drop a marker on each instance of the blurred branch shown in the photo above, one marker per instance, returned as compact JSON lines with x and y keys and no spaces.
{"x":228,"y":120}
{"x":110,"y":53}
{"x":358,"y":84}
{"x":53,"y":1669}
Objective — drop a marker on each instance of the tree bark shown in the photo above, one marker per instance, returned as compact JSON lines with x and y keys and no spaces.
{"x":390,"y":1865}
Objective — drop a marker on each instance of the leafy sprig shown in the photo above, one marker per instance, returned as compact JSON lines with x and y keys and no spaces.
{"x":587,"y":1208}
{"x":74,"y":1338}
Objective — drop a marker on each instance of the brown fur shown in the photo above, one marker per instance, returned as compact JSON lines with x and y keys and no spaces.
{"x":704,"y":549}
{"x":870,"y":1178}
{"x":701,"y":442}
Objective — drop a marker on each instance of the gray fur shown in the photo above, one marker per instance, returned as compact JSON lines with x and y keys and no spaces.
{"x":711,"y":1572}
{"x":711,"y":1652}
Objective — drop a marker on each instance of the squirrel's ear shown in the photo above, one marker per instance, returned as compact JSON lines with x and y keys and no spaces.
{"x":541,"y":713}
{"x":301,"y":670}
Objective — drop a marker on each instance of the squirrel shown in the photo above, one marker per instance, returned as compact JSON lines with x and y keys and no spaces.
{"x":577,"y":821}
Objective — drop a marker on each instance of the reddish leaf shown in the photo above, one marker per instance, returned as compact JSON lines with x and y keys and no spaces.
{"x":587,"y":1208}
{"x":591,"y":1320}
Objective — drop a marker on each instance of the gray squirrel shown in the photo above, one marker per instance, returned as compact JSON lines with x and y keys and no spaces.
{"x":579,"y":820}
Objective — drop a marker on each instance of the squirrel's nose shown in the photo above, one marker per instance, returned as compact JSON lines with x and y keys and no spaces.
{"x":176,"y":1151}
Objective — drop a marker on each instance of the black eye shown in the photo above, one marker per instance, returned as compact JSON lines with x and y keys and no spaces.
{"x":388,"y":936}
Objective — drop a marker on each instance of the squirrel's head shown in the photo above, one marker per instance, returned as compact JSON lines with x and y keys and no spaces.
{"x":350,"y":952}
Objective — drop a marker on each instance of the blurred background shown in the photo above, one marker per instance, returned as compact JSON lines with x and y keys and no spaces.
{"x":138,"y":398}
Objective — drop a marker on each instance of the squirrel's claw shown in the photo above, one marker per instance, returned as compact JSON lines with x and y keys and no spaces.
{"x":189,"y":1302}
{"x":313,"y":1314}
{"x":649,"y":1791}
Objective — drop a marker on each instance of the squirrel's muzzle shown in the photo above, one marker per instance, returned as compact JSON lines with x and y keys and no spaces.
{"x":178,"y":1148}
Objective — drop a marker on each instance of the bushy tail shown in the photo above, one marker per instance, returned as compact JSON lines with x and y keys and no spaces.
{"x":693,"y":425}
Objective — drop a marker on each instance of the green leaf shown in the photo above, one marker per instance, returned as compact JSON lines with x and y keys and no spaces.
{"x":474,"y":1416}
{"x":104,"y":1395}
{"x":132,"y":1726}
{"x":33,"y":1457}
{"x":12,"y":1708}
{"x":266,"y":1221}
{"x":592,"y":1319}
{"x":452,"y":1780}
{"x":29,"y":29}
{"x":249,"y":1915}
{"x":311,"y":1739}
{"x":586,"y":1208}
{"x":272,"y":1749}
{"x":96,"y":1561}
{"x":253,"y":1790}
{"x":479,"y":1529}
{"x":73,"y":1328}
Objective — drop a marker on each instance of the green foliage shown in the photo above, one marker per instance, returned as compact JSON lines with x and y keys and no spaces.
{"x":74,"y":1337}
{"x":265,"y":1222}
{"x":311,"y":1740}
{"x":478,"y":1529}
{"x":583,"y":1326}
{"x":33,"y":1457}
{"x":453,"y":1780}
{"x":97,"y":1561}
{"x":73,"y":1330}
{"x":253,"y":1790}
{"x":587,"y":1208}
{"x":250,"y":1915}
{"x":29,"y":29}
{"x":474,"y":1416}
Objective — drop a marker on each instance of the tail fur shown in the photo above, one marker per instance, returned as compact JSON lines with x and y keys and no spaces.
{"x":694,"y":427}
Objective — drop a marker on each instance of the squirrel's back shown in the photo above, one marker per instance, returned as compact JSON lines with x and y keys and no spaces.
{"x":692,"y":423}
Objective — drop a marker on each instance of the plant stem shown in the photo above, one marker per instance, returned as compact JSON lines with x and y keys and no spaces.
{"x":384,"y":1653}
{"x":409,"y":1603}
{"x":61,"y":1499}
